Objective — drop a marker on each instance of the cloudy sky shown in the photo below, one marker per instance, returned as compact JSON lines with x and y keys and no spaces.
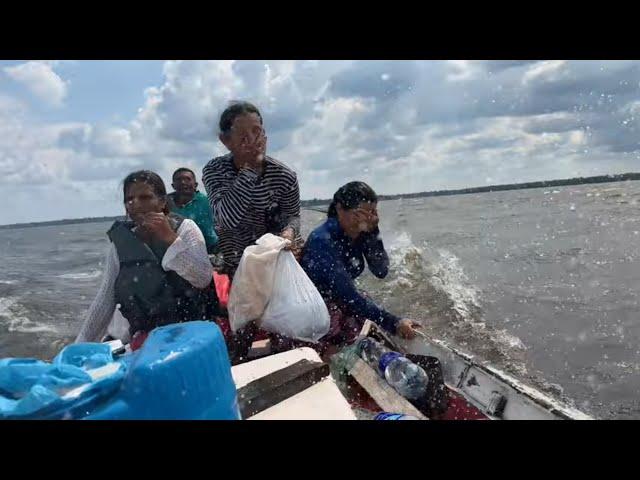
{"x":71,"y":130}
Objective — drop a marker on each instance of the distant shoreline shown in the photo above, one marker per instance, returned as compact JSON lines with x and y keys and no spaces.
{"x":622,"y":177}
{"x":72,"y":221}
{"x":309,"y":203}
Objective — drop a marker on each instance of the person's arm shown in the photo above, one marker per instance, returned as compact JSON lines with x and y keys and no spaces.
{"x":327,"y":272}
{"x":187,"y":256}
{"x":291,"y":207}
{"x":229,"y":200}
{"x":101,"y":310}
{"x":373,"y":250}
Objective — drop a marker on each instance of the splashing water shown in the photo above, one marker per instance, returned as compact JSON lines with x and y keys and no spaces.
{"x":430,"y":285}
{"x":454,"y":282}
{"x":425,"y":269}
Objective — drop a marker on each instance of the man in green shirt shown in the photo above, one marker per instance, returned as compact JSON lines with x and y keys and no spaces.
{"x":188,"y":202}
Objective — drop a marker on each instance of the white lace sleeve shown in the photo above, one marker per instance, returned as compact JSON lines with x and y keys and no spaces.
{"x":188,"y":257}
{"x":101,"y":310}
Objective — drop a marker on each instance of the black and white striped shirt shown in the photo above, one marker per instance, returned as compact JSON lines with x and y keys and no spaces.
{"x":247,"y":205}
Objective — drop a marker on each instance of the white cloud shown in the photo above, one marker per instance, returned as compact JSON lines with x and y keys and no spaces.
{"x":462,"y":70}
{"x":41,"y":80}
{"x":401,"y":126}
{"x":27,"y":150}
{"x":544,"y":71}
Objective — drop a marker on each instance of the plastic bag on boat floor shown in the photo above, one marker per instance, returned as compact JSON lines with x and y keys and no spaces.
{"x":253,"y":280}
{"x":296,"y":308}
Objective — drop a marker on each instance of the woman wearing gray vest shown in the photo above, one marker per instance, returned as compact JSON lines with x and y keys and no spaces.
{"x":157,"y":268}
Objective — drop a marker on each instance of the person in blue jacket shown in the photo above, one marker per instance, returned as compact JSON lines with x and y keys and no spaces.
{"x":334,"y":256}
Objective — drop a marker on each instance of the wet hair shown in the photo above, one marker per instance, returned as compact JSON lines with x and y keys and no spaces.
{"x":235,"y":109}
{"x":350,"y":196}
{"x":150,"y":178}
{"x":183,"y":169}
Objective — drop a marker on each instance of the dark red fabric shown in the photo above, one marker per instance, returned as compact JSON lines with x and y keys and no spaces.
{"x":261,"y":335}
{"x":225,"y":326}
{"x":138,"y":340}
{"x":343,"y":328}
{"x":223,"y":323}
{"x":460,"y":409}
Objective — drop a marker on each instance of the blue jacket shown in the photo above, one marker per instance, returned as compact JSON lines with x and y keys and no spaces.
{"x":332,"y":261}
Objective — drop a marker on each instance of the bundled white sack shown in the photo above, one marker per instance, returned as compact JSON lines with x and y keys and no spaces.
{"x":253,"y":280}
{"x":271,"y":288}
{"x":296,"y":308}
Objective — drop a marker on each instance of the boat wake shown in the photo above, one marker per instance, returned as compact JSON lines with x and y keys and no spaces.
{"x":430,"y":285}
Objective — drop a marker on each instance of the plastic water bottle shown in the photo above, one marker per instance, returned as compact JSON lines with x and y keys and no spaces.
{"x":394,"y":416}
{"x":407,"y":378}
{"x":371,"y":352}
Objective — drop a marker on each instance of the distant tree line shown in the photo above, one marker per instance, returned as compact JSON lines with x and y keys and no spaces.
{"x":316,"y":201}
{"x":70,"y":221}
{"x":497,"y":188}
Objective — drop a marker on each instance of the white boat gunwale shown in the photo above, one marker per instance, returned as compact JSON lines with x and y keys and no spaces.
{"x":462,"y":372}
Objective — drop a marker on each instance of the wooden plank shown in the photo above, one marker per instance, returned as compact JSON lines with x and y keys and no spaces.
{"x":383,"y":393}
{"x":260,"y":348}
{"x":275,"y":387}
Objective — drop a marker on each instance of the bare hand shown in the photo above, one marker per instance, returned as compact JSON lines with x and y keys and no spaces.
{"x":254,"y":151}
{"x":260,"y":147}
{"x":407,"y":328}
{"x":362,"y":222}
{"x":367,"y":222}
{"x":374,"y":220}
{"x":289,"y":234}
{"x":157,"y":225}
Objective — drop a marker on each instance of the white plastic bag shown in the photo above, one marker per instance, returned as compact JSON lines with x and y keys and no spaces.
{"x":296,"y":308}
{"x":119,"y":326}
{"x":253,"y":280}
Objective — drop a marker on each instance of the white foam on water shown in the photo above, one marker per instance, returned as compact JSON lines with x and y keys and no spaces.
{"x":405,"y":259}
{"x":24,"y":325}
{"x":510,"y":340}
{"x":454,"y":282}
{"x":8,"y":282}
{"x":81,"y":276}
{"x":6,"y":303}
{"x":17,"y":321}
{"x":442,"y":269}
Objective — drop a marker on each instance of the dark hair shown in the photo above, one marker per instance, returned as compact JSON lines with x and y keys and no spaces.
{"x":350,"y":196}
{"x":235,"y":109}
{"x":183,"y":169}
{"x":145,"y":176}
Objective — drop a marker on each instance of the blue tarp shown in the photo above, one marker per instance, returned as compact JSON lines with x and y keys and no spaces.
{"x":32,"y":388}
